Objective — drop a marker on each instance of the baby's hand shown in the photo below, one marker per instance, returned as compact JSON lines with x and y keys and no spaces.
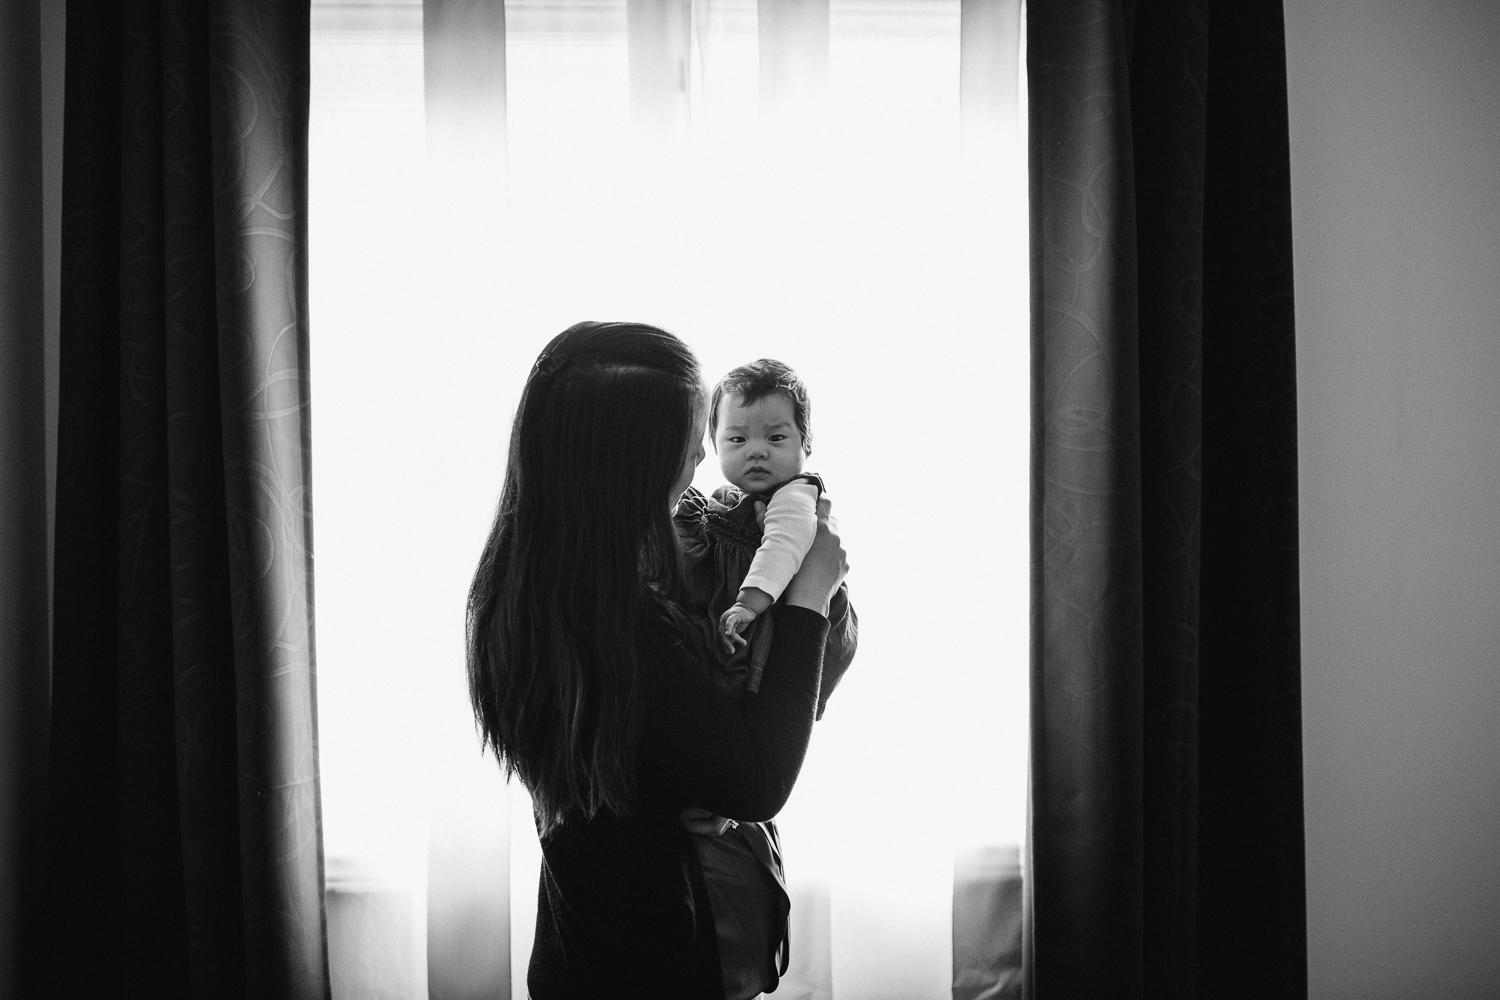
{"x":732,"y":623}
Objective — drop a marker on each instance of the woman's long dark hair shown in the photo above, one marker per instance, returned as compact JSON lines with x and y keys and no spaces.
{"x":581,"y":545}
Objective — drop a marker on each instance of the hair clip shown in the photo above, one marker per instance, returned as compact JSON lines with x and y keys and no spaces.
{"x":547,"y":365}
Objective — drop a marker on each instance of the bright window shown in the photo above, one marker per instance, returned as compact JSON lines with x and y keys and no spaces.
{"x":865,"y":245}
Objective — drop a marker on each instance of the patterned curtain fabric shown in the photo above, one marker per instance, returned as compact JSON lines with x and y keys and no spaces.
{"x":1166,"y":852}
{"x":184,"y":852}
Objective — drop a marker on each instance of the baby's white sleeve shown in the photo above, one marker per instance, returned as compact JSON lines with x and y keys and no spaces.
{"x":791,"y":525}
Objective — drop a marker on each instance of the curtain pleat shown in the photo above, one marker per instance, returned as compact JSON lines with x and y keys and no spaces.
{"x":658,"y":39}
{"x":793,"y":52}
{"x":23,"y":485}
{"x":185,"y":850}
{"x":989,"y":77}
{"x":463,"y":78}
{"x":1165,"y":853}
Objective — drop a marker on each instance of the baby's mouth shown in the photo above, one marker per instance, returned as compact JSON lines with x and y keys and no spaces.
{"x":756,"y":470}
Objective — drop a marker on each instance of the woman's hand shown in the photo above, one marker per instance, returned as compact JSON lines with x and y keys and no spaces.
{"x":696,"y":819}
{"x":824,"y":566}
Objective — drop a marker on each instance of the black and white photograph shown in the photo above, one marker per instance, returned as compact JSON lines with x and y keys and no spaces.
{"x":722,"y":499}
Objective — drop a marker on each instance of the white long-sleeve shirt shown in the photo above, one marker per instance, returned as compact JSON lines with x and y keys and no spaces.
{"x":790,"y":527}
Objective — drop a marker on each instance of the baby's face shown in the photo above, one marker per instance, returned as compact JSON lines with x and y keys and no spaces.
{"x":758,"y":445}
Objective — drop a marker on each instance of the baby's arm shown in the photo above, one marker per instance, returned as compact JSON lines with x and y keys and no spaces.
{"x":791,"y":525}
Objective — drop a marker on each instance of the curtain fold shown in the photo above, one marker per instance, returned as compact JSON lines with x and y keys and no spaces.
{"x":23,"y":483}
{"x":463,"y":78}
{"x":1165,"y":851}
{"x":793,"y":52}
{"x":184,"y":857}
{"x":659,"y":41}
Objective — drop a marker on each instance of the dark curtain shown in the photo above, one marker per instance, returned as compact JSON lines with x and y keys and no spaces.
{"x":1166,"y":853}
{"x":184,"y":855}
{"x":23,"y":479}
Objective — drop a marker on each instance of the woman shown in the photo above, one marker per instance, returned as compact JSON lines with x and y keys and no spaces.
{"x":587,"y":680}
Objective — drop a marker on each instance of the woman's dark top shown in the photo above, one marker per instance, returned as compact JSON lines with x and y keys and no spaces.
{"x":622,"y":910}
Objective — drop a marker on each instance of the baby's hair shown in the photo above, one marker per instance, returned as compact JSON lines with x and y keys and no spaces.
{"x":756,"y":381}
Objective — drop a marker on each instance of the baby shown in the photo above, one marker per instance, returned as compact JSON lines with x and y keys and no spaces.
{"x":759,"y":420}
{"x":737,"y":566}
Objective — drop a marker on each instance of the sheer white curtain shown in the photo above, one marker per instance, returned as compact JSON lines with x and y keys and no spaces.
{"x":833,"y":215}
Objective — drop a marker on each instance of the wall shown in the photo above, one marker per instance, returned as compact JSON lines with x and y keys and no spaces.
{"x":1395,"y":129}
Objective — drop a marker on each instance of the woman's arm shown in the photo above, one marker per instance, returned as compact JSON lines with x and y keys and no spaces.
{"x":823,"y":568}
{"x":838,"y":651}
{"x":740,"y":758}
{"x":735,"y":758}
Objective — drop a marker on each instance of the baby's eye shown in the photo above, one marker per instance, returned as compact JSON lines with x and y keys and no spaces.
{"x":736,"y":440}
{"x":778,"y":437}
